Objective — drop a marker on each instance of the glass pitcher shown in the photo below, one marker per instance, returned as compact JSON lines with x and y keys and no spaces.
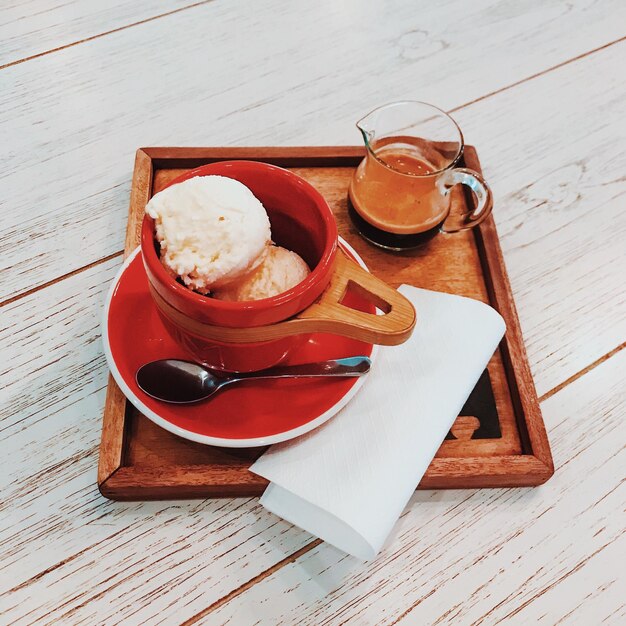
{"x":400,"y":192}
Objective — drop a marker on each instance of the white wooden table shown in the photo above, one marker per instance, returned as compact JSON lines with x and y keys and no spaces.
{"x":538,"y":86}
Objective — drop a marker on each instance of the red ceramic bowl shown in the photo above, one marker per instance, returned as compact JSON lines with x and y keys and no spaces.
{"x":301,"y":221}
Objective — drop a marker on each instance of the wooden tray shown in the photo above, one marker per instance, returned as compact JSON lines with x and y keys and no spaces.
{"x":498,"y":440}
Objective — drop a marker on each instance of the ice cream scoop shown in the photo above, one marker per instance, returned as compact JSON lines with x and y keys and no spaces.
{"x":280,"y":270}
{"x":212,"y":231}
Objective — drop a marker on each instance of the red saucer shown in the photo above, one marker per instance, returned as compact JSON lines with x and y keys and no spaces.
{"x":244,"y":415}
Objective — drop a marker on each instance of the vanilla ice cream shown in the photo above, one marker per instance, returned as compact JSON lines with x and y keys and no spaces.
{"x":281,"y":270}
{"x":213,"y":231}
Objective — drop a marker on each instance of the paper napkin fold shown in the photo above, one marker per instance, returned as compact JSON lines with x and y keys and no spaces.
{"x":348,"y":481}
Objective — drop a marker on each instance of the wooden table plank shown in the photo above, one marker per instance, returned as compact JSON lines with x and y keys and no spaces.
{"x":484,"y":557}
{"x":306,"y":74}
{"x":32,"y":28}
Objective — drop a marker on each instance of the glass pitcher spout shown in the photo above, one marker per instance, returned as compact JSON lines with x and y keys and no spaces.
{"x":365,"y":125}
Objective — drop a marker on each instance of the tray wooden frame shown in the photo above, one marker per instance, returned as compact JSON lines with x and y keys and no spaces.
{"x":228,"y":475}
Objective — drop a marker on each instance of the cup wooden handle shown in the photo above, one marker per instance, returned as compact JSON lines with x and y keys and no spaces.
{"x":329,"y":315}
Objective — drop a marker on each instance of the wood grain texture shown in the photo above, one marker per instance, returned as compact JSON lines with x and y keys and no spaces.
{"x":35,"y":27}
{"x":70,"y":124}
{"x":472,"y":263}
{"x":557,"y":174}
{"x":140,"y":193}
{"x":286,"y":85}
{"x":523,"y":393}
{"x":57,"y":530}
{"x":510,"y":556}
{"x":111,"y":452}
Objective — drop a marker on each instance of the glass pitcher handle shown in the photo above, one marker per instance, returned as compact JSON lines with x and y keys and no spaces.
{"x":477,"y":184}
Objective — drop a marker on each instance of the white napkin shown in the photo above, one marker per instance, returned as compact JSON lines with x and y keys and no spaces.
{"x":348,"y":481}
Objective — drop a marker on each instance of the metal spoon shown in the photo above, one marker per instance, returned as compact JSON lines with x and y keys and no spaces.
{"x":181,"y":382}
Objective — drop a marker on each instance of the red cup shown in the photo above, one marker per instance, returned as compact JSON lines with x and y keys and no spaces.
{"x":301,"y":221}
